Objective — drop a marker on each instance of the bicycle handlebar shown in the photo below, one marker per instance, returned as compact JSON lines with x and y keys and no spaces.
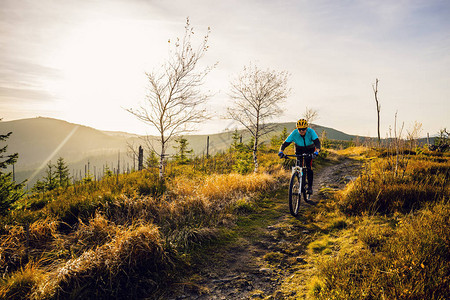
{"x":286,"y":156}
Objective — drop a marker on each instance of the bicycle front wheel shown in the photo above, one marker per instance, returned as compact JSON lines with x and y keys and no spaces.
{"x":294,"y":194}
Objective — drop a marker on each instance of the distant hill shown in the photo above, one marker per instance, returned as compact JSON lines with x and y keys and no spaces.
{"x":38,"y":140}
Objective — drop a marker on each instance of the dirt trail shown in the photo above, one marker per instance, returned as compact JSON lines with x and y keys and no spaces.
{"x":271,"y":250}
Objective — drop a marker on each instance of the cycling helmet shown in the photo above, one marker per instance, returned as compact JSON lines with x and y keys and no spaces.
{"x":302,"y":123}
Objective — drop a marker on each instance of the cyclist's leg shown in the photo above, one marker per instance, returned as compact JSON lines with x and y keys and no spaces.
{"x":309,"y":173}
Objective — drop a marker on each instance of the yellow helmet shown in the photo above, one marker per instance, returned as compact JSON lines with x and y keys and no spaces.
{"x":302,"y":123}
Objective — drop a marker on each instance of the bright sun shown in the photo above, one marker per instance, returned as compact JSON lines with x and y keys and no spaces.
{"x":106,"y":60}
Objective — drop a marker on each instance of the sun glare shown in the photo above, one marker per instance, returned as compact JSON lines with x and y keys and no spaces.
{"x":106,"y":60}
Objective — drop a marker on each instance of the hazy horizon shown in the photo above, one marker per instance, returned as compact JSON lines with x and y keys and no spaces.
{"x":85,"y":63}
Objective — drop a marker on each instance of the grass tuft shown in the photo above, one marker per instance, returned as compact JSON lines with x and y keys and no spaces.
{"x":21,"y":283}
{"x":110,"y":270}
{"x":244,"y":206}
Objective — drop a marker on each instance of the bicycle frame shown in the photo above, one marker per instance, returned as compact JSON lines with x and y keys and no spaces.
{"x":297,"y":167}
{"x":297,"y":172}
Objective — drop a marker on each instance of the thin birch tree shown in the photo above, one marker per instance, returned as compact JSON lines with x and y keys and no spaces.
{"x":375,"y":91}
{"x":257,"y":95}
{"x":174,"y":101}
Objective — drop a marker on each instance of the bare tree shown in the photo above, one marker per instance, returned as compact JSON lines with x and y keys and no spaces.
{"x":414,"y":134}
{"x":257,"y":95}
{"x":398,"y":140}
{"x":174,"y":100}
{"x":310,"y":115}
{"x":375,"y":90}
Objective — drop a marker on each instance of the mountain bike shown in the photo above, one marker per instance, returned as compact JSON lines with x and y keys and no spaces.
{"x":297,"y":185}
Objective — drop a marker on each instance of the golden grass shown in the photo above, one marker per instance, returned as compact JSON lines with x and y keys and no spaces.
{"x":387,"y":186}
{"x":92,"y":235}
{"x":222,"y":186}
{"x":39,"y":233}
{"x":18,"y":245}
{"x":21,"y":283}
{"x":111,"y":267}
{"x":104,"y":239}
{"x":355,"y":151}
{"x":408,"y":261}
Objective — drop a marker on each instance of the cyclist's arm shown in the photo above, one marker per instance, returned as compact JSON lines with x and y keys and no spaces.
{"x":288,"y":140}
{"x":284,"y":145}
{"x":317,"y":144}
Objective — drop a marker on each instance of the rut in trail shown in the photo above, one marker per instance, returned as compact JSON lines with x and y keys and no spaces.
{"x":255,"y":266}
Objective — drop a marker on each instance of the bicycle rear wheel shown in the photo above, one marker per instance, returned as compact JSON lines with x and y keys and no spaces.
{"x":294,"y":194}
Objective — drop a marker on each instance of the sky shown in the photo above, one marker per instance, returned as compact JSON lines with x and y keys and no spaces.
{"x":85,"y":61}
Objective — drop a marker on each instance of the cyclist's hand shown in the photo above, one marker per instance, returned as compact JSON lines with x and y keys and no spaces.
{"x":281,"y":154}
{"x":316,"y":153}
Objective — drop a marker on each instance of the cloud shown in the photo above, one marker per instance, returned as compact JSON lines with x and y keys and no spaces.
{"x":23,"y":96}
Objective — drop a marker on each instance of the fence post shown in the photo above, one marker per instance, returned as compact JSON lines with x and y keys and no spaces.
{"x":141,"y":158}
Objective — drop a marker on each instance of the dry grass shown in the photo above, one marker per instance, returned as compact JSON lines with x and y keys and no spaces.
{"x":387,"y":186}
{"x":20,"y":284}
{"x":223,"y":186}
{"x":117,"y":237}
{"x":111,"y":269}
{"x":409,"y":261}
{"x":92,"y":235}
{"x":359,"y":151}
{"x":399,"y":247}
{"x":18,"y":244}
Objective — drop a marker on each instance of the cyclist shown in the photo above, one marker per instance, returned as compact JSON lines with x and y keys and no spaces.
{"x":306,"y":141}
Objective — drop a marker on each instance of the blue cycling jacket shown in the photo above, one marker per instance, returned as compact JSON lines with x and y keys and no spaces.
{"x":305,"y":141}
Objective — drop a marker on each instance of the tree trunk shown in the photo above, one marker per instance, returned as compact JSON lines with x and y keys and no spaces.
{"x":255,"y":155}
{"x":161,"y":161}
{"x":255,"y":145}
{"x":378,"y":114}
{"x":375,"y":90}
